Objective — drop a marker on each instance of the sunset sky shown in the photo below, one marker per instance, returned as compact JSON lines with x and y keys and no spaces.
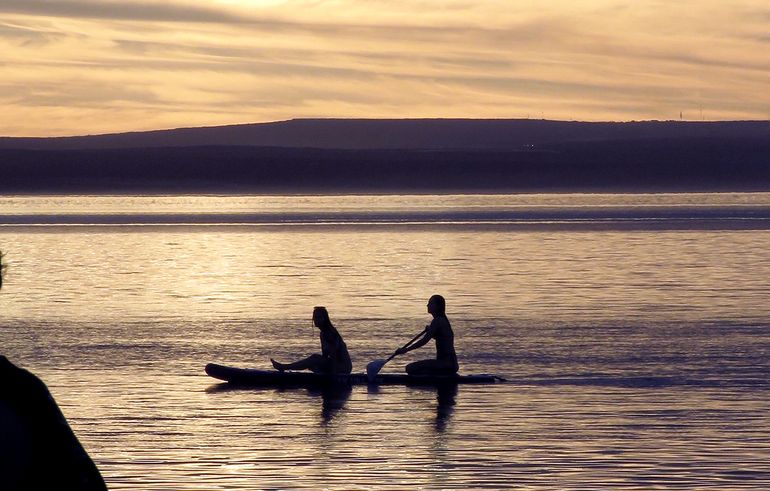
{"x":93,"y":66}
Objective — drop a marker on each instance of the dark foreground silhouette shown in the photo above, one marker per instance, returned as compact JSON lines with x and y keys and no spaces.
{"x":38,"y":449}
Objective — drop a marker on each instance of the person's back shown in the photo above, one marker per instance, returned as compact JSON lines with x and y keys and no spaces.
{"x":334,"y":348}
{"x":445,"y":342}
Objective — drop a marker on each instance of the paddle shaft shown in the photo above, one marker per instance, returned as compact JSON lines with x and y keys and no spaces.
{"x":407,"y":344}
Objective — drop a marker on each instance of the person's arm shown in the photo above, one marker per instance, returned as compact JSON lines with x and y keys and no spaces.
{"x":429,"y":332}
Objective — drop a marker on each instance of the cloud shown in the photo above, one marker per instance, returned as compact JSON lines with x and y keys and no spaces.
{"x":77,"y":94}
{"x":396,"y":27}
{"x":29,"y":35}
{"x":113,"y":10}
{"x":150,"y":64}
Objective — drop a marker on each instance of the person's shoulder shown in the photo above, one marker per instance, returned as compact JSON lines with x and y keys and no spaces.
{"x":440,"y":321}
{"x":331,"y":332}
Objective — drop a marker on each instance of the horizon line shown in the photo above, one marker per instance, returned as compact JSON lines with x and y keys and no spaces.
{"x":321,"y":119}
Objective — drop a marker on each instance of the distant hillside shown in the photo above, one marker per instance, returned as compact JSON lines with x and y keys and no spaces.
{"x":401,"y":134}
{"x":635,"y":165}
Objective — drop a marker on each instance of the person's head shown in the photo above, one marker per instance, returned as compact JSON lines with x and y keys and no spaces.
{"x":437,"y":305}
{"x":321,"y":317}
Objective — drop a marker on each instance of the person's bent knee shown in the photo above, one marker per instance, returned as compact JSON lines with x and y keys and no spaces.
{"x":418,"y":367}
{"x":430,"y":367}
{"x":319,"y":364}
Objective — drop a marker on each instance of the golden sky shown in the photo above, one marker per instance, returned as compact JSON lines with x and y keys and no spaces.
{"x":94,"y":66}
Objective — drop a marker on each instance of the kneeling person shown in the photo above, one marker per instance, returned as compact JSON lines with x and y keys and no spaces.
{"x":439,"y":329}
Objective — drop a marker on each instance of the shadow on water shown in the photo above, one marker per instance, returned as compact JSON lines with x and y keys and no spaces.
{"x":446,"y":399}
{"x":446,"y":396}
{"x":333,"y":397}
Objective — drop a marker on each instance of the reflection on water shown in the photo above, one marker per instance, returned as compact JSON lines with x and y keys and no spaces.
{"x":542,"y":276}
{"x":635,"y":359}
{"x":314,"y":205}
{"x":445,"y":403}
{"x":332,"y":398}
{"x":134,"y":273}
{"x":579,"y":409}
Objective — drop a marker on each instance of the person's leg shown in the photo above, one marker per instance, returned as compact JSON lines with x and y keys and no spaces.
{"x":315,"y":363}
{"x":320,"y":365}
{"x":429,"y":367}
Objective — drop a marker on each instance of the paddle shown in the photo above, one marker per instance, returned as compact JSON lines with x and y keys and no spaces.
{"x":374,"y":367}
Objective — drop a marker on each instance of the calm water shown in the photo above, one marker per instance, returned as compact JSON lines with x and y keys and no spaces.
{"x":634,"y":332}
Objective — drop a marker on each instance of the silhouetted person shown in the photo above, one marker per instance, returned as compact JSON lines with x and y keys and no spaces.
{"x":445,"y":362}
{"x":38,"y":449}
{"x":334,"y":356}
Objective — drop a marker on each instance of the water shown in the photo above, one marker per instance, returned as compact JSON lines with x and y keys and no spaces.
{"x":633,"y":331}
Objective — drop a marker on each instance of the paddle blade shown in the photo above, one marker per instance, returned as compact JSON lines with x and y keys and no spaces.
{"x":373,"y":368}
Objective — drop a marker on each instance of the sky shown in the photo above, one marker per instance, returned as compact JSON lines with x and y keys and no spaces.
{"x":73,"y":67}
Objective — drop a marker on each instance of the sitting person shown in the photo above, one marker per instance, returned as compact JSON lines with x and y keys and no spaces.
{"x":439,"y":329}
{"x":334,"y":356}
